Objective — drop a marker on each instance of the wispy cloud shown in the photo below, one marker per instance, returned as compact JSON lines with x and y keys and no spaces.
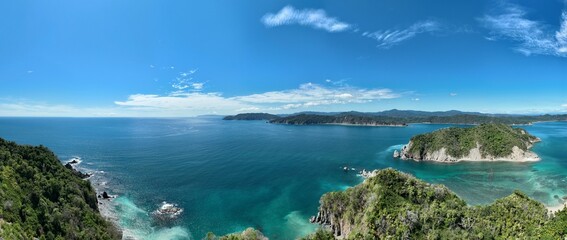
{"x":305,"y":96}
{"x":389,"y":38}
{"x":564,"y":106}
{"x":453,"y":94}
{"x":533,"y":37}
{"x":310,"y":94}
{"x":315,"y":18}
{"x":184,"y":82}
{"x":318,"y":19}
{"x":35,"y":109}
{"x":194,"y":103}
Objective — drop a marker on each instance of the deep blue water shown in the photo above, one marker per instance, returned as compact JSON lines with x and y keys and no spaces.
{"x":229,"y":175}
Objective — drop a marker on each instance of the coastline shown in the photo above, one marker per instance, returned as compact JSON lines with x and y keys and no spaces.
{"x":105,"y":206}
{"x":554,"y":209}
{"x":359,"y":125}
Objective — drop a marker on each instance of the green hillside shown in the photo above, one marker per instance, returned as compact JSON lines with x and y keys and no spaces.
{"x":494,"y":139}
{"x":41,"y":198}
{"x":395,"y":205}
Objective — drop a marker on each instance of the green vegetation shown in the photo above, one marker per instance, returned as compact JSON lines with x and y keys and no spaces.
{"x":397,"y":117}
{"x":395,"y":205}
{"x":310,"y":119}
{"x":252,"y":116}
{"x":41,"y":198}
{"x":248,"y":234}
{"x":495,"y":140}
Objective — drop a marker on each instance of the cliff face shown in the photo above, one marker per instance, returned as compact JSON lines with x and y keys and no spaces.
{"x":487,"y":142}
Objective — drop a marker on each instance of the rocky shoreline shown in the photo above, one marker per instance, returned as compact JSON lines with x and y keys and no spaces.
{"x":104,"y":199}
{"x":485,"y":142}
{"x":441,"y":155}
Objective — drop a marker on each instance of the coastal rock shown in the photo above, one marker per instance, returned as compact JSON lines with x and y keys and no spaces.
{"x":368,"y":174}
{"x":105,"y":195}
{"x":396,"y":154}
{"x":76,"y":172}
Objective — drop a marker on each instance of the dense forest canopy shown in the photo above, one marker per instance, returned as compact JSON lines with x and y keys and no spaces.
{"x":395,"y":205}
{"x":494,"y":139}
{"x":41,"y":198}
{"x":397,"y":117}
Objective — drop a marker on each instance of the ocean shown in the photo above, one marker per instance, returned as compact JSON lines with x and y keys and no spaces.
{"x":230,"y":175}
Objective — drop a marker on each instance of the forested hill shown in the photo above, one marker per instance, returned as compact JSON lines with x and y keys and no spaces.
{"x":483,"y":142}
{"x":346,"y":119}
{"x":395,"y":205}
{"x":40,"y":198}
{"x":397,"y":117}
{"x":251,"y":116}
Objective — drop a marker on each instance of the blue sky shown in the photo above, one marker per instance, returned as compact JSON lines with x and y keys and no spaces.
{"x":187,"y":58}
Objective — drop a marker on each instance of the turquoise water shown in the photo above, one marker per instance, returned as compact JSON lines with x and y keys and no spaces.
{"x":229,"y":175}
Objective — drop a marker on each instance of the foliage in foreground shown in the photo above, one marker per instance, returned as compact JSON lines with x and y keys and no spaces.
{"x":41,"y":198}
{"x":395,"y":205}
{"x":248,"y":234}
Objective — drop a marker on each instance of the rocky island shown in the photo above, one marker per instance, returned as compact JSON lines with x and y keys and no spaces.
{"x":485,"y":142}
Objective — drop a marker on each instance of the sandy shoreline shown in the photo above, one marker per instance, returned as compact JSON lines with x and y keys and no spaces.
{"x":554,"y":209}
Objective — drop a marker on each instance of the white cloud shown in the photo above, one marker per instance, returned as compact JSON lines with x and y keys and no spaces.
{"x":452,"y":94}
{"x":306,"y":96}
{"x":389,"y":38}
{"x":415,"y":99}
{"x":196,"y":103}
{"x":34,"y":109}
{"x":197,"y":86}
{"x":564,"y":105}
{"x":315,"y":18}
{"x":314,"y":93}
{"x":533,"y":37}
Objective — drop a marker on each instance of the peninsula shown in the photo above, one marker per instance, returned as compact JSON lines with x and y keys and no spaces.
{"x":339,"y":119}
{"x":485,"y":142}
{"x":396,"y":117}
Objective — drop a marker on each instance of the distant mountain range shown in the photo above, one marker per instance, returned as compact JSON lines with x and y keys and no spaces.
{"x":395,"y":117}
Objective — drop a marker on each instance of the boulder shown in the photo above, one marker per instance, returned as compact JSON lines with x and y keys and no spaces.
{"x":105,"y":195}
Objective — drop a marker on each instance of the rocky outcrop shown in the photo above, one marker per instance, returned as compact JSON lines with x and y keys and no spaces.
{"x":332,"y":222}
{"x":77,"y":172}
{"x":396,"y":154}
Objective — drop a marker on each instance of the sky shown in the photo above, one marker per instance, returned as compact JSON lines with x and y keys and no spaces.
{"x":133,"y":58}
